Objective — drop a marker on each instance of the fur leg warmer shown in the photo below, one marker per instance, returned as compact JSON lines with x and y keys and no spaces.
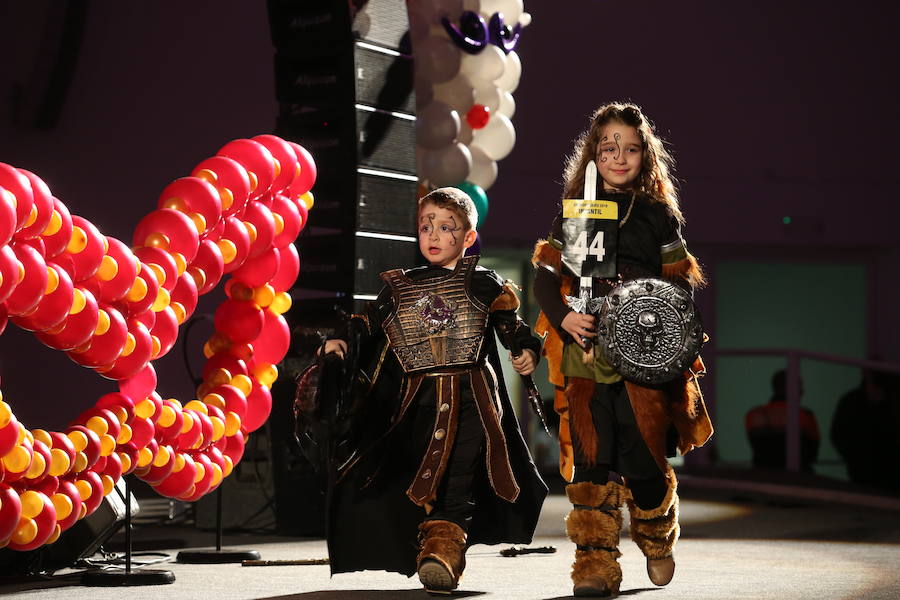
{"x":593,"y":524}
{"x":655,"y":532}
{"x":442,"y":557}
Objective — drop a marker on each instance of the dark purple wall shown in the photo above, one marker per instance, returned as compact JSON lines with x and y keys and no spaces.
{"x":772,"y":109}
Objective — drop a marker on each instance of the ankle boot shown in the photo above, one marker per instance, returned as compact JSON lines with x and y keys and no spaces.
{"x":593,"y":524}
{"x":655,"y":532}
{"x":442,"y":556}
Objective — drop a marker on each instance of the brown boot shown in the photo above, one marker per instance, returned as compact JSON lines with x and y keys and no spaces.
{"x":655,"y":532}
{"x":593,"y":524}
{"x":442,"y":557}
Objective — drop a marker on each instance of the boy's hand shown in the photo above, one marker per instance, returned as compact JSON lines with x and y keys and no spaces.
{"x":339,"y":347}
{"x":524,"y":363}
{"x":579,"y":325}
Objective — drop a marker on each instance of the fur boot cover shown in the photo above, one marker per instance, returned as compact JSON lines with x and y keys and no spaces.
{"x":442,"y":557}
{"x":655,"y":531}
{"x":593,"y":524}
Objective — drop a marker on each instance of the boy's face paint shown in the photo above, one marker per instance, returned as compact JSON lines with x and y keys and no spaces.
{"x":619,"y":156}
{"x":442,"y":239}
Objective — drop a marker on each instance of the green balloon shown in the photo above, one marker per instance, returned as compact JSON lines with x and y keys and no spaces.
{"x":478,"y":197}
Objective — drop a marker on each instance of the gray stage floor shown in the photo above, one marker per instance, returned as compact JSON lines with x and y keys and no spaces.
{"x":739,"y":541}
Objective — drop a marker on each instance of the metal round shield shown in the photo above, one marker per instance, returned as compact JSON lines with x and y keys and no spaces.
{"x":649,"y":330}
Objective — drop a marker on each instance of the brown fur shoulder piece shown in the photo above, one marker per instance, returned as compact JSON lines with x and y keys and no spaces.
{"x":507,"y":300}
{"x":688,"y":269}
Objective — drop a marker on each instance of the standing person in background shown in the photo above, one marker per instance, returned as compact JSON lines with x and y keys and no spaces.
{"x":608,"y":424}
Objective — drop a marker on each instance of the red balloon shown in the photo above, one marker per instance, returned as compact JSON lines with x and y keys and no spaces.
{"x":258,"y":270}
{"x":126,"y":270}
{"x":256,"y":159}
{"x":9,"y":436}
{"x":140,"y":385}
{"x":288,"y":269}
{"x":235,"y":400}
{"x":141,"y":431}
{"x":234,"y":447}
{"x":138,"y":307}
{"x":52,"y":308}
{"x":7,"y":220}
{"x":92,"y":449}
{"x":126,"y":366}
{"x":9,"y":272}
{"x":77,"y":328}
{"x":17,"y":183}
{"x":259,"y":406}
{"x":38,"y":448}
{"x":46,"y":522}
{"x":105,"y":348}
{"x":157,"y":256}
{"x":67,"y":488}
{"x":196,"y":195}
{"x":273,"y":341}
{"x":231,"y":181}
{"x":237,"y":234}
{"x":185,"y":293}
{"x":31,"y":289}
{"x":209,"y":260}
{"x":117,"y":400}
{"x":177,"y":227}
{"x":93,"y":501}
{"x":224,"y":360}
{"x":154,"y":475}
{"x":306,"y":178}
{"x":43,"y":201}
{"x":10,"y":511}
{"x":166,"y":330}
{"x":261,"y":217}
{"x":88,"y":260}
{"x":240,"y":320}
{"x":290,"y":216}
{"x":55,"y":244}
{"x":178,"y":482}
{"x":286,"y":157}
{"x":201,"y":487}
{"x":478,"y":116}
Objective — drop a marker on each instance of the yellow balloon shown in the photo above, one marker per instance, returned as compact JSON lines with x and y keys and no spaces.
{"x":163,"y":456}
{"x":42,"y":436}
{"x":126,"y":462}
{"x":188,"y":423}
{"x":179,"y":462}
{"x":228,"y":249}
{"x":163,"y":298}
{"x":157,"y":240}
{"x":281,"y":303}
{"x":63,"y":505}
{"x":264,"y":295}
{"x":37,"y":467}
{"x":121,"y":413}
{"x":78,"y":241}
{"x":199,"y":276}
{"x":32,"y":504}
{"x":229,"y":466}
{"x":279,"y":223}
{"x":26,"y":531}
{"x":138,"y":290}
{"x":201,"y":472}
{"x":308,"y":200}
{"x":180,"y":262}
{"x":232,"y":423}
{"x":109,"y":268}
{"x":266,"y":374}
{"x":108,"y":484}
{"x":78,"y":439}
{"x":84,"y":489}
{"x":197,"y":405}
{"x":103,"y":322}
{"x":32,"y":216}
{"x":52,"y":280}
{"x":80,"y":462}
{"x":158,"y":272}
{"x":217,"y":475}
{"x":214,"y":400}
{"x":227,"y":198}
{"x":17,"y":460}
{"x":166,"y":416}
{"x":219,"y":377}
{"x":251,"y":230}
{"x":107,"y":445}
{"x":124,"y":434}
{"x":59,"y":462}
{"x":175,"y":203}
{"x":98,"y":425}
{"x":243,"y":383}
{"x":78,"y":302}
{"x":54,"y":225}
{"x":145,"y":408}
{"x":218,"y":428}
{"x":55,"y":535}
{"x":199,"y":222}
{"x":145,"y":457}
{"x":5,"y":414}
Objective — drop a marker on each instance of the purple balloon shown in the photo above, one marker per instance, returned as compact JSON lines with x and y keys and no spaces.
{"x":503,"y":36}
{"x":472,"y":33}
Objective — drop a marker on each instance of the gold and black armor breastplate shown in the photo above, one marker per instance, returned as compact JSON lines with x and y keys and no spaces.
{"x":435,"y":323}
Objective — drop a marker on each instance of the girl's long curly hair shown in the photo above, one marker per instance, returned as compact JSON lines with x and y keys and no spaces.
{"x":655,"y":179}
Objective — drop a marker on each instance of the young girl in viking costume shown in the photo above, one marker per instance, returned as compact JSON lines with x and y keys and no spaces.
{"x":438,"y":453}
{"x":609,"y":424}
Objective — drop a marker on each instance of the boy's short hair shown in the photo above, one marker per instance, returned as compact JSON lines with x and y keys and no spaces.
{"x":454,"y":200}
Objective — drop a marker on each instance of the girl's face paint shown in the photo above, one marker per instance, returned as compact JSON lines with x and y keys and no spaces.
{"x":619,"y":156}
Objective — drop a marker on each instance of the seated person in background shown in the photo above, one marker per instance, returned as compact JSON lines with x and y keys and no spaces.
{"x":766,"y":427}
{"x":866,"y":428}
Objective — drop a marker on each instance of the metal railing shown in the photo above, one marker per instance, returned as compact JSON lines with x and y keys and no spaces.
{"x":794,"y":356}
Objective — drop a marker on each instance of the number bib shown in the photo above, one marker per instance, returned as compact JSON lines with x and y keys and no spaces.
{"x":590,"y":237}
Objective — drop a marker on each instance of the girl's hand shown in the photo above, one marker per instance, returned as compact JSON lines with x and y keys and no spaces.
{"x":579,"y":325}
{"x":339,"y":347}
{"x":525,"y":363}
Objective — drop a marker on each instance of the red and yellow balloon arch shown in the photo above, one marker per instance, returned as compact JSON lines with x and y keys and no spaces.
{"x":116,"y":309}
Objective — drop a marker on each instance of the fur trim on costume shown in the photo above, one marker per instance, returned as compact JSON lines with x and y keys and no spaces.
{"x":688,"y":269}
{"x":507,"y":300}
{"x":656,"y":530}
{"x":444,"y":542}
{"x":579,"y":392}
{"x":595,"y":570}
{"x":651,"y":411}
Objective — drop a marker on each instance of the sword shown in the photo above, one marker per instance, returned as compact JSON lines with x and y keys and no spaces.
{"x":534,"y":396}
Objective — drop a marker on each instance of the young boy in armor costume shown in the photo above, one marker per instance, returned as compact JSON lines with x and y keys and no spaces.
{"x":439,"y":455}
{"x":608,"y":424}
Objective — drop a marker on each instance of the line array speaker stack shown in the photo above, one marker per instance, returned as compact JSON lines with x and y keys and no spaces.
{"x":344,"y":84}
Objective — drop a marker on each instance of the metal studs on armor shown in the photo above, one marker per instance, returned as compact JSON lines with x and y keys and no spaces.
{"x":439,"y":434}
{"x":444,"y":407}
{"x":426,"y":474}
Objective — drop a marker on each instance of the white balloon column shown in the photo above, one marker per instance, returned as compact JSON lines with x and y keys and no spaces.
{"x":466,"y":72}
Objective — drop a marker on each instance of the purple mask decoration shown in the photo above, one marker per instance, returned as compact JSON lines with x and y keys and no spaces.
{"x":436,"y":313}
{"x":472,"y":33}
{"x":502,"y":35}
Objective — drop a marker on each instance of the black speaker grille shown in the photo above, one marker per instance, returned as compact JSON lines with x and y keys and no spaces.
{"x":387,"y":205}
{"x":384,"y":22}
{"x":374,"y":256}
